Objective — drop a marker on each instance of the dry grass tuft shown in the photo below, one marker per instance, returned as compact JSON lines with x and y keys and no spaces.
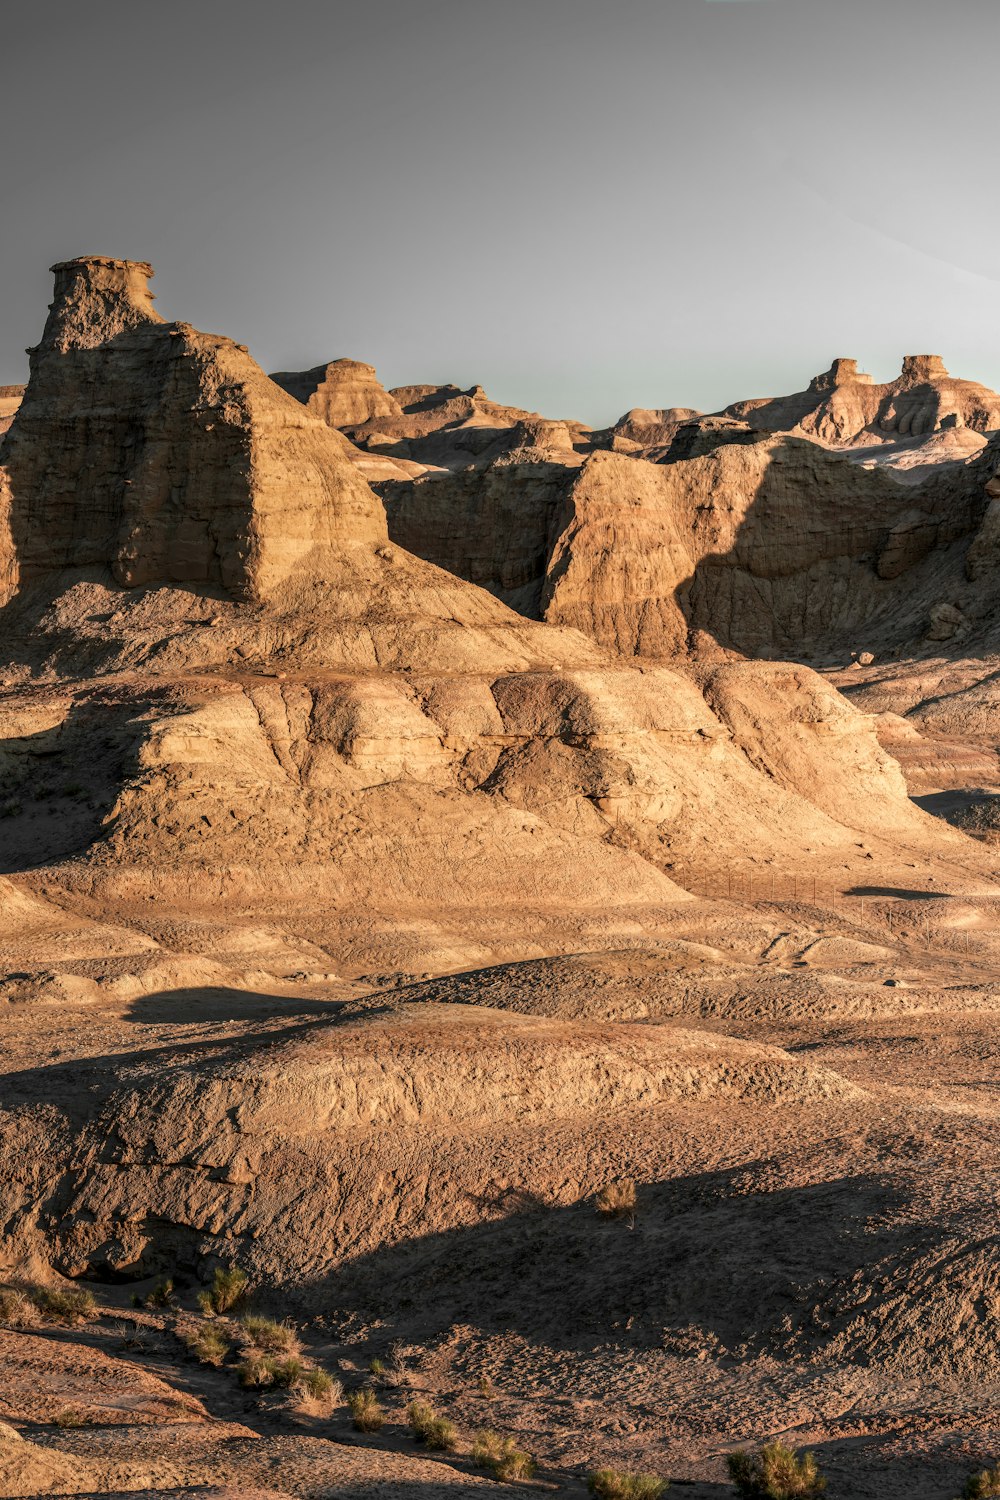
{"x":17,"y":1309}
{"x":70,"y":1417}
{"x":68,"y":1307}
{"x":616,"y":1199}
{"x":271,"y":1336}
{"x":984,"y":1485}
{"x":501,"y":1456}
{"x":227,"y":1289}
{"x":319,"y":1393}
{"x":208,"y":1344}
{"x":427,"y":1427}
{"x":613,"y":1484}
{"x":775,"y":1473}
{"x":366,"y":1413}
{"x":263,"y":1371}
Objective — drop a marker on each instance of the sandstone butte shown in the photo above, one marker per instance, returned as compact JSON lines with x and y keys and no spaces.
{"x":383,"y":875}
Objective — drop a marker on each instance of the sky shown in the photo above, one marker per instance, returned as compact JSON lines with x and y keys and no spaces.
{"x":583,"y":205}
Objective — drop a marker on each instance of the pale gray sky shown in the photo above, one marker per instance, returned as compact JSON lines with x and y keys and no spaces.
{"x":584,"y":205}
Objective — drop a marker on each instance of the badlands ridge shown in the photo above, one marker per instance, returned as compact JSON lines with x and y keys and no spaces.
{"x":415,"y":816}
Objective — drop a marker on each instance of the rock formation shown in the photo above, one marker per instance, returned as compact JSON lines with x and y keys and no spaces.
{"x":776,"y":545}
{"x":844,"y":406}
{"x":176,"y":460}
{"x":345,"y":393}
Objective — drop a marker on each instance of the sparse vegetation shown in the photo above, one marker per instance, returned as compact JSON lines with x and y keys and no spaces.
{"x":366,"y":1413}
{"x":69,"y":1417}
{"x":616,"y":1199}
{"x":984,"y":1485}
{"x":74,"y":1306}
{"x":228,"y":1287}
{"x":613,"y":1484}
{"x":320,"y":1386}
{"x":12,"y":808}
{"x":261,"y":1371}
{"x":271,"y":1336}
{"x":17,"y":1309}
{"x":775,"y":1473}
{"x":501,"y":1456}
{"x":161,"y":1295}
{"x":427,"y":1427}
{"x":376,"y":1367}
{"x":208,"y":1344}
{"x":486,"y":1388}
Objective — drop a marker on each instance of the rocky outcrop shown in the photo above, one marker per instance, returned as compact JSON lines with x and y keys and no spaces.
{"x":165,"y":455}
{"x":421,"y":427}
{"x":844,"y":406}
{"x":777,"y":545}
{"x":345,"y":393}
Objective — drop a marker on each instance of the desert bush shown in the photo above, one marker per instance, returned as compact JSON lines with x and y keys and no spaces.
{"x":254,"y":1372}
{"x":616,"y":1198}
{"x":161,"y":1295}
{"x":775,"y":1473}
{"x":366,"y":1413}
{"x":272,"y":1337}
{"x":613,"y":1484}
{"x":376,"y":1367}
{"x":11,"y":808}
{"x":74,"y":1306}
{"x":262,"y":1370}
{"x":501,"y":1456}
{"x":984,"y":1485}
{"x":17,"y":1309}
{"x":486,"y":1388}
{"x":321,"y":1386}
{"x":208,"y":1344}
{"x":69,"y":1417}
{"x":427,"y":1427}
{"x":228,"y":1286}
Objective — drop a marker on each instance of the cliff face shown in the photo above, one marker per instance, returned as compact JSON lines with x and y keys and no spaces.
{"x":164,"y":454}
{"x":775,"y":545}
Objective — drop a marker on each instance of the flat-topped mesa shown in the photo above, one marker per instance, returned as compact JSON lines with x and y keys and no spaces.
{"x":345,"y":393}
{"x":166,"y":455}
{"x":841,"y":372}
{"x":921,"y":367}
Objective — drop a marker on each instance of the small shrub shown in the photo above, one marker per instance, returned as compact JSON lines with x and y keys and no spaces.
{"x":11,"y":808}
{"x":73,"y":1306}
{"x":612,"y":1484}
{"x":616,"y":1199}
{"x":208,"y":1344}
{"x":69,"y":1417}
{"x":320,"y":1386}
{"x":272,"y":1337}
{"x":161,"y":1295}
{"x":775,"y":1473}
{"x":228,"y":1286}
{"x":262,"y":1370}
{"x":427,"y":1427}
{"x":501,"y":1456}
{"x":984,"y":1485}
{"x":376,"y":1367}
{"x":17,"y":1309}
{"x":366,"y":1413}
{"x":486,"y":1388}
{"x":286,"y":1373}
{"x":255,"y":1372}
